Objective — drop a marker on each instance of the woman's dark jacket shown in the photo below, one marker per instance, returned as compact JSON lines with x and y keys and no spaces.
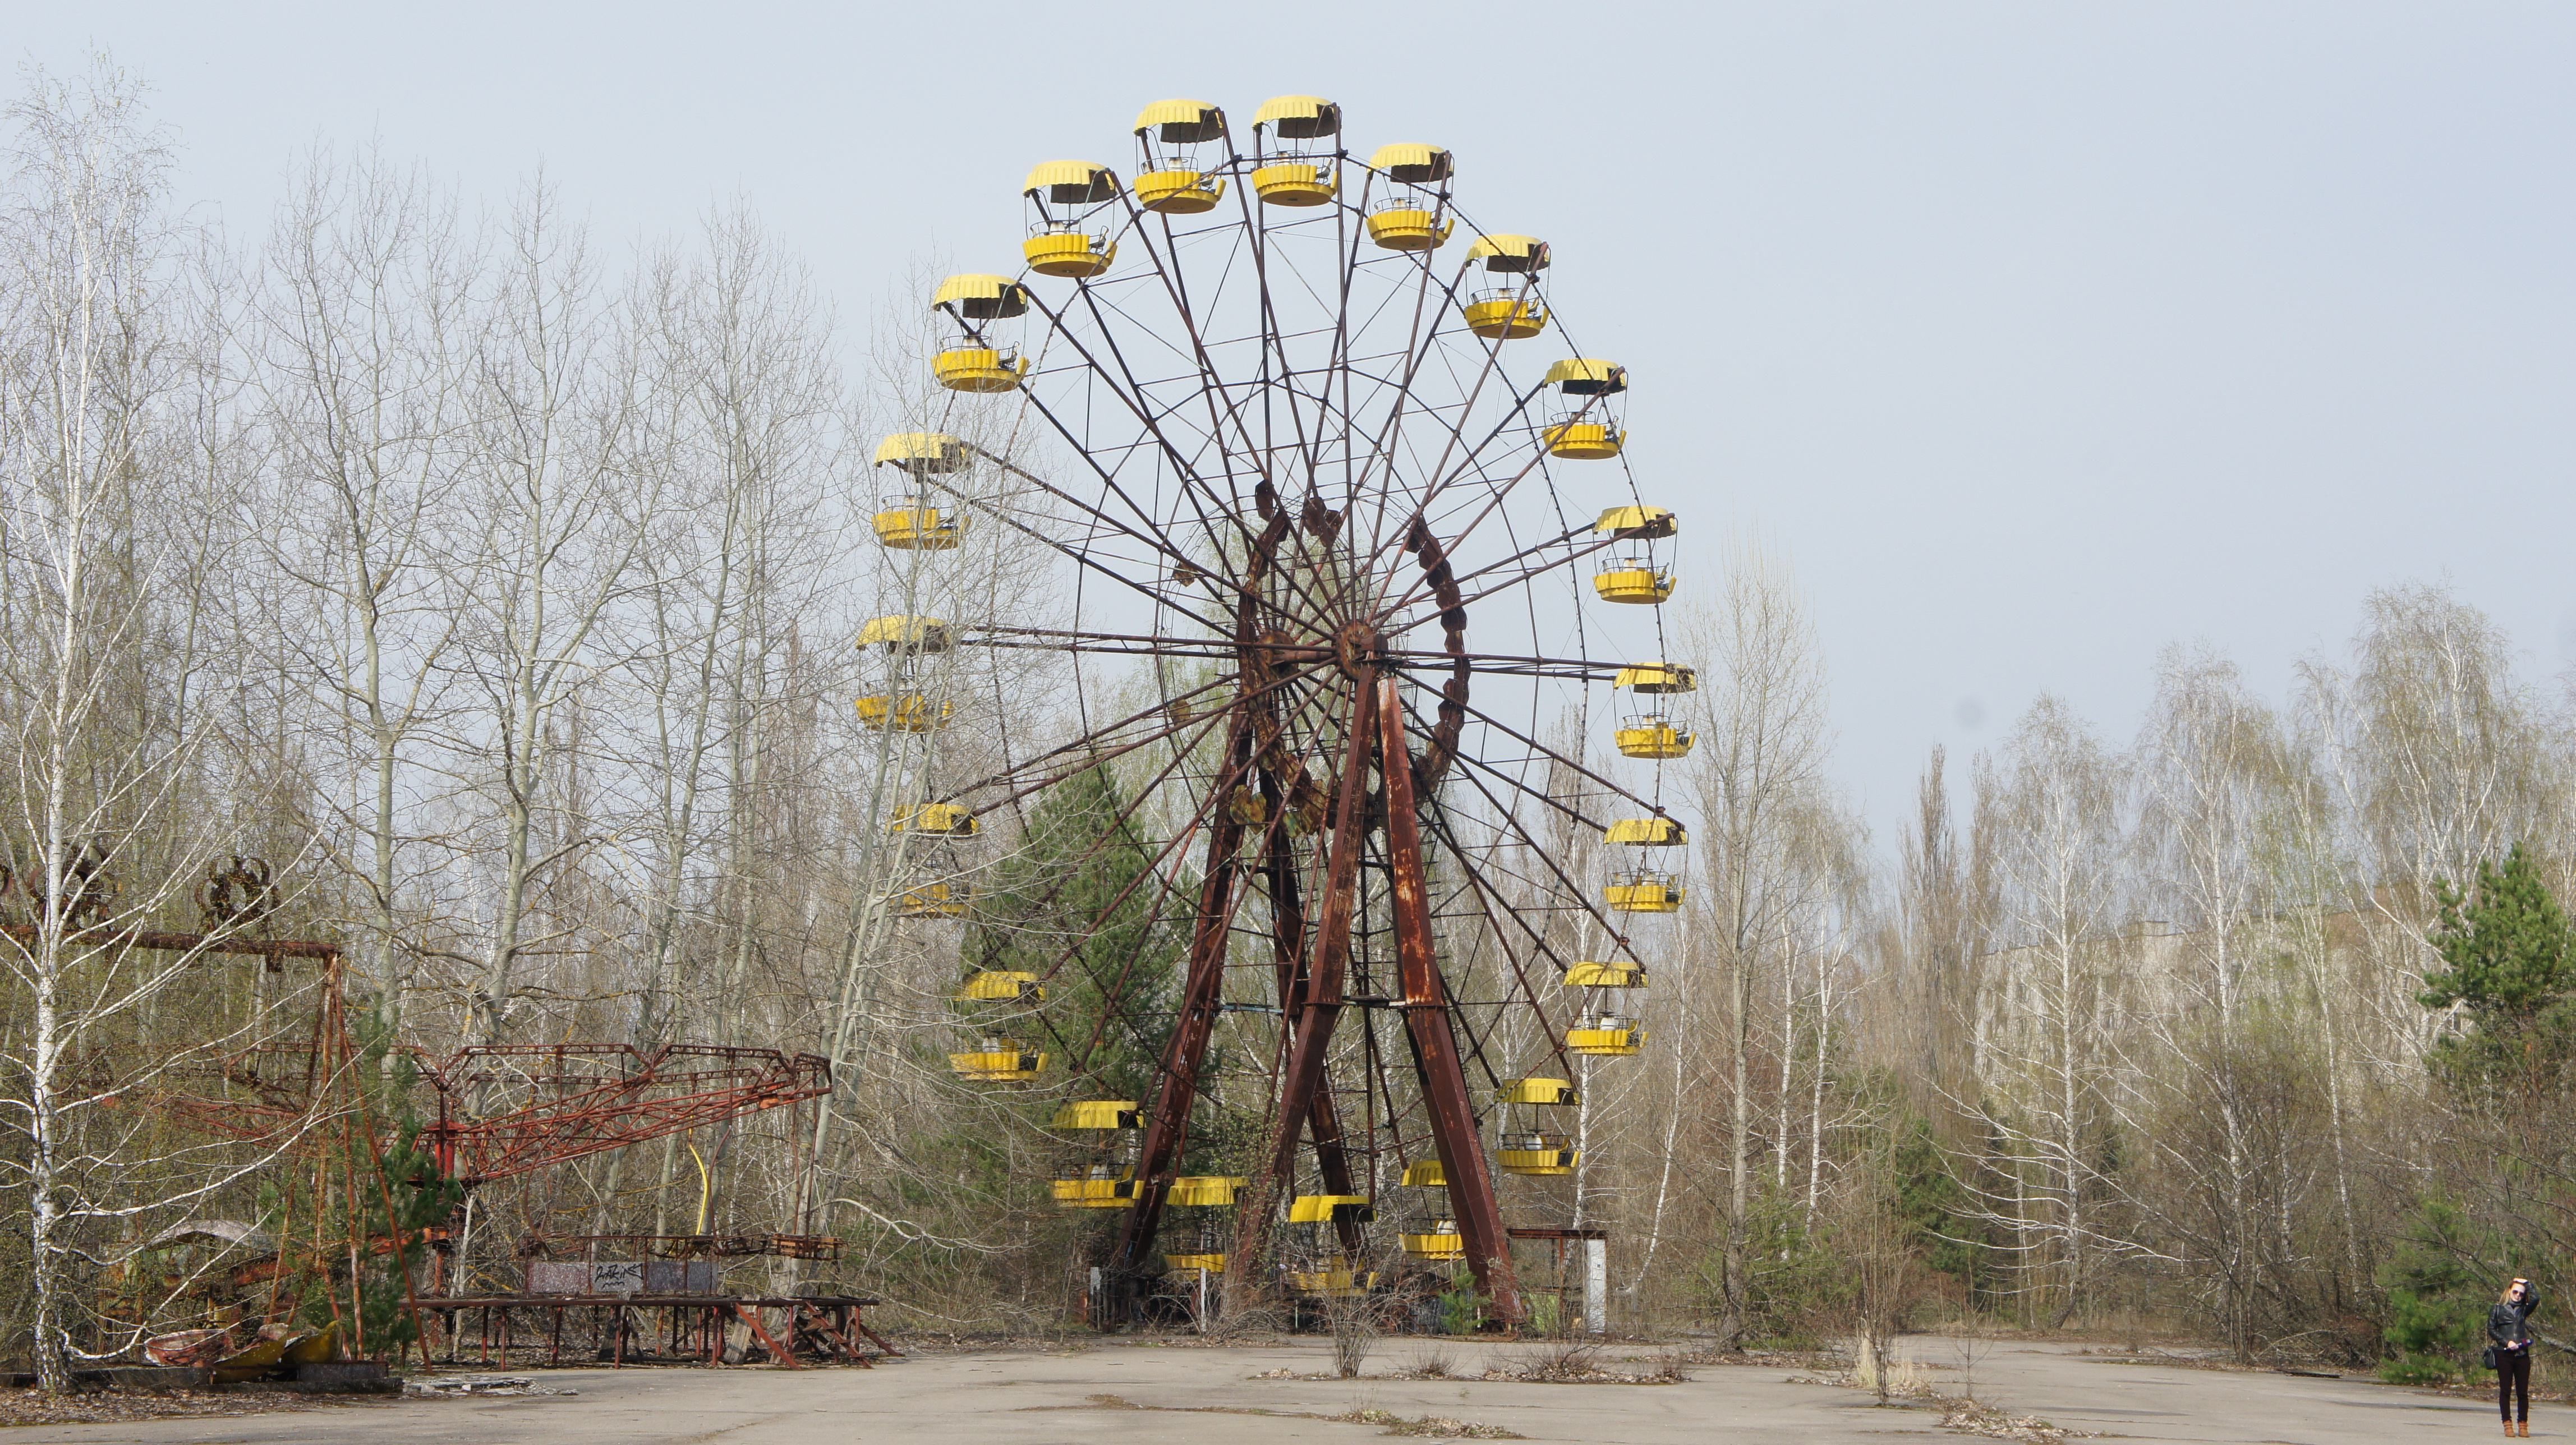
{"x":2510,"y":1324}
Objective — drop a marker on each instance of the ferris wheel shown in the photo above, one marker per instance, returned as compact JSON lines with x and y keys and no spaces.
{"x":1337,"y":500}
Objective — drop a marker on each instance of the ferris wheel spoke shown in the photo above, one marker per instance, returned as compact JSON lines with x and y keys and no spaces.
{"x":1575,"y":765}
{"x":1092,"y":745}
{"x":1079,"y":557}
{"x":1422,"y":346}
{"x":1517,"y":577}
{"x":1569,"y":888}
{"x":1123,"y":387}
{"x":1147,"y":528}
{"x":1156,"y":869}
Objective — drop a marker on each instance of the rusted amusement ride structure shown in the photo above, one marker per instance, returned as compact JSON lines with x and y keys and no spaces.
{"x":1272,"y":410}
{"x":378,"y":1158}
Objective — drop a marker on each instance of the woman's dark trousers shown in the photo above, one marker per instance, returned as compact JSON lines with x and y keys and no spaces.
{"x":2513,"y":1382}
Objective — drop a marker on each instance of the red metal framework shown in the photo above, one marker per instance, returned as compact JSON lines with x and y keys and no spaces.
{"x":509,"y":1109}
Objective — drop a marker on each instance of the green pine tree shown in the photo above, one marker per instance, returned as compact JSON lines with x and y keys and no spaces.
{"x":1079,"y":885}
{"x":2509,"y":960}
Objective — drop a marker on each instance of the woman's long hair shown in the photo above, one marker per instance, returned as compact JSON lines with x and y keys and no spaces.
{"x":2506,"y":1298}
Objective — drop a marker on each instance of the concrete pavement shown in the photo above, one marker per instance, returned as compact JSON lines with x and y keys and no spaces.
{"x":1141,"y":1393}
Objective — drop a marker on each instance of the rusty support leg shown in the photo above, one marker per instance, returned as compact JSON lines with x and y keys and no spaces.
{"x":859,"y":1322}
{"x":1288,"y":939}
{"x":751,"y":1316}
{"x":1310,"y":1022}
{"x":1426,"y":1018}
{"x":1202,"y":993}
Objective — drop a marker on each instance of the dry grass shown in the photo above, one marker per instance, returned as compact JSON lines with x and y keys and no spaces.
{"x":1428,"y":1427}
{"x":114,"y":1407}
{"x":1434,"y":1362}
{"x":1971,"y":1418}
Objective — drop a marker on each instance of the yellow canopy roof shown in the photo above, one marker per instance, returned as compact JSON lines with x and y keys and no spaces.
{"x":1538,"y":1089}
{"x":1004,"y":294}
{"x":1322,"y":1208}
{"x":1646,"y":832}
{"x":1658,"y":677}
{"x":1205,"y":1190}
{"x":1072,"y":183}
{"x":1095,"y":1114}
{"x":1181,"y":122}
{"x":1593,"y":974}
{"x":901,"y":630}
{"x":1412,"y":162}
{"x":1299,"y":117}
{"x":1588,"y":373}
{"x":1639,"y":521}
{"x":1509,"y":253}
{"x":940,"y":451}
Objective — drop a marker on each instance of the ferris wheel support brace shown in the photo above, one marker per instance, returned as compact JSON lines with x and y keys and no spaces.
{"x":1316,"y":1004}
{"x":1426,"y":1018}
{"x":1203,"y":990}
{"x":1288,"y":946}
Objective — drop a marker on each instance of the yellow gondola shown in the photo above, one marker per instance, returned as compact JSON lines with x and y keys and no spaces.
{"x":935,"y":900}
{"x":1064,"y":197}
{"x":905,"y":713}
{"x":948,"y":820}
{"x":1646,"y":833}
{"x":1605,"y":1036}
{"x":1643,"y":892}
{"x":1411,"y":216}
{"x":979,"y":369}
{"x":1653,"y":735}
{"x":1338,"y":1281}
{"x":1442,"y":1242}
{"x":1184,"y":1263}
{"x":1587,"y":425}
{"x":1173,"y":177}
{"x":1301,"y":174}
{"x":1426,"y":1174}
{"x":974,"y":362}
{"x":998,"y":1060}
{"x":1538,"y":1154}
{"x":1504,"y":311}
{"x":910,"y":521}
{"x":1633,"y":579}
{"x":1100,"y":1190}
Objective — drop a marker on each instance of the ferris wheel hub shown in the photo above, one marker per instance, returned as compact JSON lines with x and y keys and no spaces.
{"x":1357,"y":646}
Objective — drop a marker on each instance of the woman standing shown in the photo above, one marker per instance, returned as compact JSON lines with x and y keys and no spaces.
{"x":2509,"y":1348}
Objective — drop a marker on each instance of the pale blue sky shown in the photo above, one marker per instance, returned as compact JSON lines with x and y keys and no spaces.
{"x":2036,"y":336}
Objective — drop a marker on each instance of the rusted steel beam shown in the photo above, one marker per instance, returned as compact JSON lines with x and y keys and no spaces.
{"x":1435,"y":1045}
{"x":1288,"y":943}
{"x":1202,"y":994}
{"x":1332,"y":947}
{"x":1315,"y":1001}
{"x":181,"y":942}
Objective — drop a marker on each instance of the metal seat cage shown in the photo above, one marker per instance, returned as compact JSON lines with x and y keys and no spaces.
{"x":1070,"y":226}
{"x":1645,"y":878}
